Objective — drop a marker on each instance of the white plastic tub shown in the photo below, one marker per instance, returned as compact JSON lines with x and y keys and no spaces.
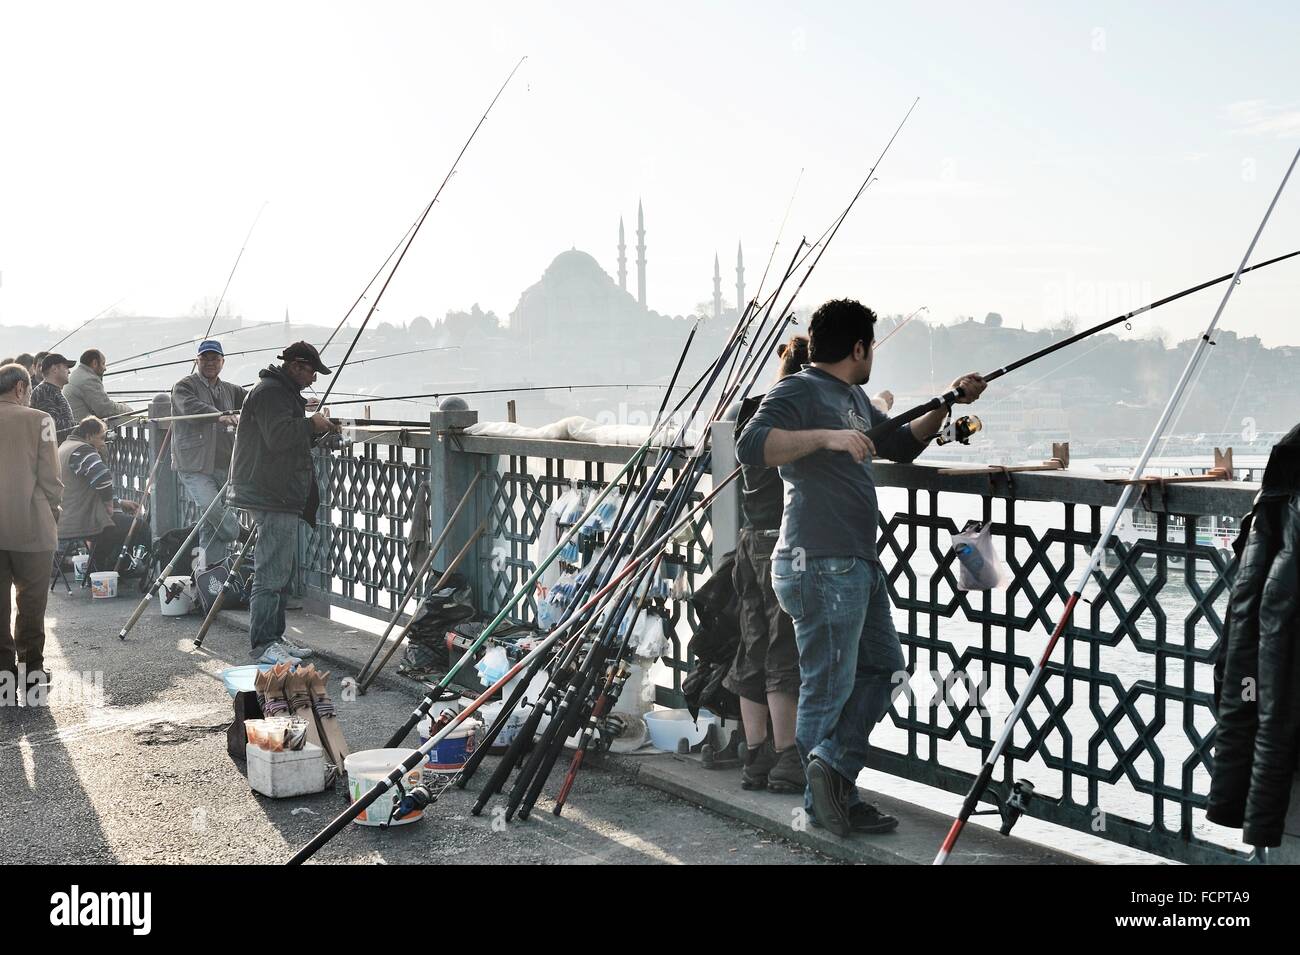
{"x":667,"y":727}
{"x":103,"y":584}
{"x":183,"y":602}
{"x":365,"y":770}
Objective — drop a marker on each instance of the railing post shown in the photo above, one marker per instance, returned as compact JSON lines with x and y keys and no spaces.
{"x":725,"y":510}
{"x":164,"y":501}
{"x":450,"y":472}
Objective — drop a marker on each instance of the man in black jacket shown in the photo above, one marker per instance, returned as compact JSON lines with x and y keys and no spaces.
{"x":271,"y":477}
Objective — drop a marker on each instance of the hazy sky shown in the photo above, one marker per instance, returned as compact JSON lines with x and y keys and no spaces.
{"x":1063,"y":158}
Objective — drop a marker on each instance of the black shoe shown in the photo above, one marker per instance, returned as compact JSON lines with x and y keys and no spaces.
{"x":787,"y":776}
{"x":829,"y":797}
{"x":758,"y":761}
{"x":864,"y":817}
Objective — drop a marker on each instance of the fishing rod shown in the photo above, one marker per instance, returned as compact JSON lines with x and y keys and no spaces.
{"x":85,"y":323}
{"x":895,"y":330}
{"x":417,"y":755}
{"x":226,"y":288}
{"x":651,"y":482}
{"x":950,"y":397}
{"x":373,"y":279}
{"x":570,"y":710}
{"x":415,"y":231}
{"x":183,"y":361}
{"x":524,"y":589}
{"x":258,"y":351}
{"x":162,"y":449}
{"x":193,"y":341}
{"x":1038,"y":674}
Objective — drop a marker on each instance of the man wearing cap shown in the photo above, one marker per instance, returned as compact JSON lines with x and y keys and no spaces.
{"x":48,"y":395}
{"x":201,"y":448}
{"x":272,"y":478}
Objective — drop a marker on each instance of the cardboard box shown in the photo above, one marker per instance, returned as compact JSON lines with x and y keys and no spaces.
{"x":284,"y":774}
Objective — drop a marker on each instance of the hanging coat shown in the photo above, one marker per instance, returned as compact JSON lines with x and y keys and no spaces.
{"x":1257,"y":677}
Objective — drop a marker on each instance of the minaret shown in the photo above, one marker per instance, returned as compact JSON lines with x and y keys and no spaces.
{"x":740,"y":278}
{"x":640,"y":254}
{"x":717,"y":287}
{"x":622,"y":257}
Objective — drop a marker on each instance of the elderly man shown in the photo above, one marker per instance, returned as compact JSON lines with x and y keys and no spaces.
{"x":29,"y":513}
{"x":48,"y":395}
{"x":272,"y":478}
{"x":85,"y":389}
{"x":201,"y":449}
{"x":90,"y":510}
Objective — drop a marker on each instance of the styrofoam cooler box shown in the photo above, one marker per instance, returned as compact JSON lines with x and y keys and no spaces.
{"x":288,"y":773}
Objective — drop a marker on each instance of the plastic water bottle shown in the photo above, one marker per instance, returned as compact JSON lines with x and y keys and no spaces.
{"x":969,"y":556}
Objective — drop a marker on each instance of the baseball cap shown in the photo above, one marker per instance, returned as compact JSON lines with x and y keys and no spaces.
{"x":211,"y":344}
{"x":54,"y":358}
{"x":304,"y":351}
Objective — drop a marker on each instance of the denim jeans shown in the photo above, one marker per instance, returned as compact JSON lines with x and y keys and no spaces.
{"x":222,"y":526}
{"x":849,"y":655}
{"x":275,"y":557}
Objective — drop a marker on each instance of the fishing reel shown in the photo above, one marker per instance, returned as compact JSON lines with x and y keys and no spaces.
{"x":334,"y":441}
{"x":1011,"y":808}
{"x":415,"y":799}
{"x":959,"y":430}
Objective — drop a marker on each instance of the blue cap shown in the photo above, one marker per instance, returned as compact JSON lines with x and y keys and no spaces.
{"x":211,"y":344}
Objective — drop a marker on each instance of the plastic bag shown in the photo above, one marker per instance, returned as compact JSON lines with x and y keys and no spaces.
{"x":493,"y":666}
{"x":980,"y":567}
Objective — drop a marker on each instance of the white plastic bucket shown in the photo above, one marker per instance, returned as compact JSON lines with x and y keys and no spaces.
{"x":103,"y":584}
{"x":449,"y":755}
{"x":79,"y":562}
{"x":183,"y":602}
{"x":367,"y":768}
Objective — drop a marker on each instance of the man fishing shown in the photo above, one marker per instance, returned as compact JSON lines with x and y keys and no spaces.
{"x":48,"y":395}
{"x":272,"y":478}
{"x":85,"y":389}
{"x":825,"y":568}
{"x":201,"y":449}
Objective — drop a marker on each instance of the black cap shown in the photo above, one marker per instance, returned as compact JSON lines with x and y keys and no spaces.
{"x":54,"y":358}
{"x":304,"y":351}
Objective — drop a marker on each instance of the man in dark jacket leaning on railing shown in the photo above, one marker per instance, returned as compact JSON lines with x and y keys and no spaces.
{"x":272,"y":478}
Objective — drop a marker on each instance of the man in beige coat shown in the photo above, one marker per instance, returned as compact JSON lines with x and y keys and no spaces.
{"x":30,"y":494}
{"x":85,"y":389}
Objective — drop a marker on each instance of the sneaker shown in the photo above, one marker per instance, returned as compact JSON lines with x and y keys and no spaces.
{"x":758,"y":761}
{"x":297,"y":651}
{"x":278,"y":653}
{"x":829,"y":797}
{"x":787,"y":775}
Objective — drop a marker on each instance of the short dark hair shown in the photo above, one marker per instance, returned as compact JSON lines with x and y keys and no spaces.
{"x":27,"y":360}
{"x":91,"y":355}
{"x":837,"y":326}
{"x":793,"y":354}
{"x":88,"y":427}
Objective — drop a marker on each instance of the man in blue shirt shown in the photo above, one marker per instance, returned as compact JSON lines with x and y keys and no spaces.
{"x":825,"y":568}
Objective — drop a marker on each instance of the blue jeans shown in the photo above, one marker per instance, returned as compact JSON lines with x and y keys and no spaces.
{"x":222,"y":526}
{"x":276,"y":555}
{"x":849,"y":656}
